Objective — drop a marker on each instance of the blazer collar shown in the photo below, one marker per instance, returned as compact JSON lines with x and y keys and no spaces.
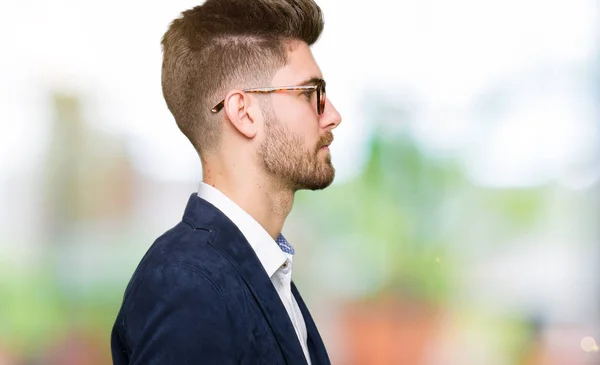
{"x":230,"y":241}
{"x":269,"y":253}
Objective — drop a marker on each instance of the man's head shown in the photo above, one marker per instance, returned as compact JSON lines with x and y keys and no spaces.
{"x":219,"y":50}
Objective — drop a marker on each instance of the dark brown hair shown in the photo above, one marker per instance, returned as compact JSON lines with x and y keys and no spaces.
{"x":223,"y":44}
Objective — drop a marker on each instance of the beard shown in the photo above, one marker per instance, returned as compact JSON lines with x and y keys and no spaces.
{"x":285,"y":157}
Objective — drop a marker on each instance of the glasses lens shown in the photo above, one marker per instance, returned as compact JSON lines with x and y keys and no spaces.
{"x":322,"y":98}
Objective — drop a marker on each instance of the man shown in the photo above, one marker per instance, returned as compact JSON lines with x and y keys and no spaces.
{"x":242,"y":84}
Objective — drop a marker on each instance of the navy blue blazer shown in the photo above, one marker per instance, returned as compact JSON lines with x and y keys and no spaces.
{"x":201,"y":296}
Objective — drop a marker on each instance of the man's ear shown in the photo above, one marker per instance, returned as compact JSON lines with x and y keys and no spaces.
{"x":240,"y":109}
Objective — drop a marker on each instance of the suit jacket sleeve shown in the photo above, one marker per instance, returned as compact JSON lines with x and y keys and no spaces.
{"x":178,"y":316}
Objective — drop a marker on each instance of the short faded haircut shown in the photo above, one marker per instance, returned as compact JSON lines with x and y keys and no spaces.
{"x":225,"y":44}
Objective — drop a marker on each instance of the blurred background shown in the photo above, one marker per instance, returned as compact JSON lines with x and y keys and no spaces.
{"x":463,"y":225}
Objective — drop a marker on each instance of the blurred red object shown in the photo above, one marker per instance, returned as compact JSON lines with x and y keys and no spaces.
{"x":77,"y":348}
{"x":388,"y":331}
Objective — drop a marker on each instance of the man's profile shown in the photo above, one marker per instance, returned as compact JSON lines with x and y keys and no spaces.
{"x":242,"y":84}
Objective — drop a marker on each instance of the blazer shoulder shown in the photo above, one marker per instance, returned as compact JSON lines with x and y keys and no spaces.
{"x":185,"y":246}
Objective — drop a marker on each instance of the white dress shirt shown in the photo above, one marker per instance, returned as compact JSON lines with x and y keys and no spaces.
{"x":277,"y":263}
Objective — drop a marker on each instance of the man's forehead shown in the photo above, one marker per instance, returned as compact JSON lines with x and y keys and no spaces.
{"x":301,"y":68}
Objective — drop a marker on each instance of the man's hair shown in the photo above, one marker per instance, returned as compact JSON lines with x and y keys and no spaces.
{"x":224,"y":44}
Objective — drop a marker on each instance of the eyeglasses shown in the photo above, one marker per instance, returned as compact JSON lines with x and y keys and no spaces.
{"x":319,"y":87}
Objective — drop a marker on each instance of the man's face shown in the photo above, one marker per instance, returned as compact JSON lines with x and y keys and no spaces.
{"x":294,"y":147}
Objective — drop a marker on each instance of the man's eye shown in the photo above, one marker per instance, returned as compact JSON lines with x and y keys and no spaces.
{"x":308,"y":93}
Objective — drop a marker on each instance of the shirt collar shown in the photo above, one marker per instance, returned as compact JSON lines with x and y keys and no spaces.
{"x":270,"y":255}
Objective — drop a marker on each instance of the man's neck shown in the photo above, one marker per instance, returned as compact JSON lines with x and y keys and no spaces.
{"x":268,"y":203}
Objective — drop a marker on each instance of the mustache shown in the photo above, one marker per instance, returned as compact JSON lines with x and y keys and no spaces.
{"x":326,"y":140}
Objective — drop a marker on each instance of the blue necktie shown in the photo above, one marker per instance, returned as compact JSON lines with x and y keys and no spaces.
{"x":284,"y":245}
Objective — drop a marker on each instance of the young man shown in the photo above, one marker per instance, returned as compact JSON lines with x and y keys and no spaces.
{"x":243,"y":86}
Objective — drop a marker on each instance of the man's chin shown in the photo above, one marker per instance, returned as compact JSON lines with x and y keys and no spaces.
{"x":317,"y":184}
{"x":321,"y":186}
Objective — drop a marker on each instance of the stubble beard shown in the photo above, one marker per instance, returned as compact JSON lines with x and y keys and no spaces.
{"x":284,"y":157}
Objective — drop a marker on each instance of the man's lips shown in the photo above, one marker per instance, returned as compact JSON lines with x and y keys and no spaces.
{"x":325,"y":146}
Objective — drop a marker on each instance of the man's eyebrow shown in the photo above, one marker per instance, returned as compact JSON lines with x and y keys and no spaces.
{"x":310,"y":81}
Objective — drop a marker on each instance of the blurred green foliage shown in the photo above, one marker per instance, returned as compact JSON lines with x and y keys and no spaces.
{"x":406,"y":212}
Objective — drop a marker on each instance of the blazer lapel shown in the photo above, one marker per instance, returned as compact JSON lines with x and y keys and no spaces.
{"x":235,"y":247}
{"x":316,"y":347}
